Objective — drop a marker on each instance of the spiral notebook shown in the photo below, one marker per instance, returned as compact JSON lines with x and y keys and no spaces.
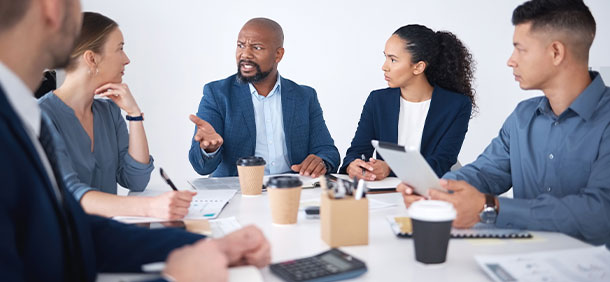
{"x":401,"y":226}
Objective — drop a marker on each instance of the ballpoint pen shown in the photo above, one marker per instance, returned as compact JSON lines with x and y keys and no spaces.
{"x":167,"y":180}
{"x":364,"y":159}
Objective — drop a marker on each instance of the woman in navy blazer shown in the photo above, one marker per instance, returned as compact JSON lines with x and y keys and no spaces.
{"x":428,"y":103}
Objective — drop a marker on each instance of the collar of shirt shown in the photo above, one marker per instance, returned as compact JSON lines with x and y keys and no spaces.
{"x":21,"y":99}
{"x":585,"y":104}
{"x":276,"y":89}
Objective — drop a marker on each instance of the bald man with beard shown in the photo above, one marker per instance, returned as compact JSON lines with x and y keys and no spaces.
{"x":257,"y":112}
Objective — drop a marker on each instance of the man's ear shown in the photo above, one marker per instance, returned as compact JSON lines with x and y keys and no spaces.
{"x":419,"y":68}
{"x":558,"y":52}
{"x":53,"y":13}
{"x":279,"y":54}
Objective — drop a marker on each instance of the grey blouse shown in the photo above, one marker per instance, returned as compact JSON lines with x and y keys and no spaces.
{"x":109,"y":162}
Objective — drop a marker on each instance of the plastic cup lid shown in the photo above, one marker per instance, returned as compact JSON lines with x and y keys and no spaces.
{"x":284,"y":182}
{"x":432,"y":210}
{"x":251,"y":161}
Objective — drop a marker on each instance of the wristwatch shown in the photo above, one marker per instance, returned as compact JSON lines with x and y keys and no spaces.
{"x":136,"y":118}
{"x":490,"y":210}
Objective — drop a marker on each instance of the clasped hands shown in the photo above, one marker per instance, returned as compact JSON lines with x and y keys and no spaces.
{"x":466,"y":199}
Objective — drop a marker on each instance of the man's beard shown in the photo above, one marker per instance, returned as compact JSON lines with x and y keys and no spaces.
{"x":258,"y":76}
{"x":60,"y":55}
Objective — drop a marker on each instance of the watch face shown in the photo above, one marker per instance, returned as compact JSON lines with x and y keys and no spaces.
{"x":488,"y":215}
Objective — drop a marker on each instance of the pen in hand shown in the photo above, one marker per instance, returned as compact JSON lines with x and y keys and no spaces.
{"x":364,"y":159}
{"x":167,"y":180}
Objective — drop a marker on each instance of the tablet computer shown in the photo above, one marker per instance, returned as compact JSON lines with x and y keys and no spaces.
{"x":409,"y":166}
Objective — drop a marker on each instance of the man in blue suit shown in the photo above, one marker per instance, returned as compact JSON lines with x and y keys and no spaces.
{"x":258,"y":112}
{"x":44,"y":233}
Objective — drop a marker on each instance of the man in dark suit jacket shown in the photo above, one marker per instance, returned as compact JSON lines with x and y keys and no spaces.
{"x":44,"y":233}
{"x":258,"y":112}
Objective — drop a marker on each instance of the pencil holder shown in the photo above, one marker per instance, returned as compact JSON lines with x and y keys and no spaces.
{"x":345,"y":222}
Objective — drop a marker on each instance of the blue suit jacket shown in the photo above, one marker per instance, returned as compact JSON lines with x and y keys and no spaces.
{"x":227,"y":106}
{"x":34,"y":245}
{"x":444,"y":129}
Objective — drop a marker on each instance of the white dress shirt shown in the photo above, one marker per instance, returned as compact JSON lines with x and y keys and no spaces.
{"x":411,"y":121}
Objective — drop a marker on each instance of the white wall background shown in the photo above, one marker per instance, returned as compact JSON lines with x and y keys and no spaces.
{"x":336,"y":47}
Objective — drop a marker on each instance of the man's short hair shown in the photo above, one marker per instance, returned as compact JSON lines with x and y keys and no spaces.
{"x":11,"y":12}
{"x":570,"y":16}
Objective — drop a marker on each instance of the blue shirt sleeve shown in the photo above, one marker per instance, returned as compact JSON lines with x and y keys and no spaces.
{"x":490,"y":172}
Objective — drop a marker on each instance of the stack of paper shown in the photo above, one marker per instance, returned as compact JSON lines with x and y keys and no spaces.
{"x":585,"y":264}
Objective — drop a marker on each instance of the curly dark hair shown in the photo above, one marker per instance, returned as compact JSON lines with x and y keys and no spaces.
{"x":449,"y":64}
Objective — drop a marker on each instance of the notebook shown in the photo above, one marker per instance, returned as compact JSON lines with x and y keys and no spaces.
{"x":386,"y":184}
{"x":401,"y":226}
{"x":206,"y":204}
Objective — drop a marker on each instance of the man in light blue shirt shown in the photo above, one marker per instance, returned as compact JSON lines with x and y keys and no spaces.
{"x":270,"y":139}
{"x":258,"y":112}
{"x":554,"y":151}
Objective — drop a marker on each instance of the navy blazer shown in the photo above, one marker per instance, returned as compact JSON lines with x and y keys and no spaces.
{"x":227,"y":105}
{"x":34,"y":226}
{"x":444,"y":130}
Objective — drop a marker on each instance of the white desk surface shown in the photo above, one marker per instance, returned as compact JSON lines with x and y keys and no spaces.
{"x":387,"y":257}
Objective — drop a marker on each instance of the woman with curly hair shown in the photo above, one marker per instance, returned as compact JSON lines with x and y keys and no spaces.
{"x":427,"y":106}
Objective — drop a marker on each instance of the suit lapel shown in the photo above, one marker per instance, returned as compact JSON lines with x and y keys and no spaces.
{"x":243,"y":103}
{"x":22,"y":137}
{"x":393,"y":115}
{"x":432,"y":119}
{"x":288,"y":112}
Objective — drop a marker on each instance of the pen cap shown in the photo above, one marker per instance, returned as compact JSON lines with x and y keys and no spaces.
{"x":284,"y":182}
{"x":251,"y":161}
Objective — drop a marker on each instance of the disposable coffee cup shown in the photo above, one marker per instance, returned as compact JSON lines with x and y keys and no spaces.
{"x":251,"y":171}
{"x":431,"y":222}
{"x":284,"y":197}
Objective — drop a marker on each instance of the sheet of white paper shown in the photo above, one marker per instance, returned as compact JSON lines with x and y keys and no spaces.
{"x":584,"y":264}
{"x":224,"y":226}
{"x":236,"y":274}
{"x":388,"y":182}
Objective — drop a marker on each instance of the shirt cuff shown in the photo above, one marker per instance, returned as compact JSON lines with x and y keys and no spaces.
{"x":449,"y":175}
{"x":512,"y":212}
{"x":207,"y":155}
{"x":80,"y":192}
{"x":131,"y":162}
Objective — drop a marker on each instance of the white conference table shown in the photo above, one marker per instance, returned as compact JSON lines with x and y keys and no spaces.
{"x":387,"y":257}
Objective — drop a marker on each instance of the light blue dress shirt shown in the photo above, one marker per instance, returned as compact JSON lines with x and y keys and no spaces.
{"x":270,"y":139}
{"x":558,"y":166}
{"x":109,"y":163}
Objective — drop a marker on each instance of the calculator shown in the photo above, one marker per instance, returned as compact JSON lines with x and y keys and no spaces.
{"x":332,"y":265}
